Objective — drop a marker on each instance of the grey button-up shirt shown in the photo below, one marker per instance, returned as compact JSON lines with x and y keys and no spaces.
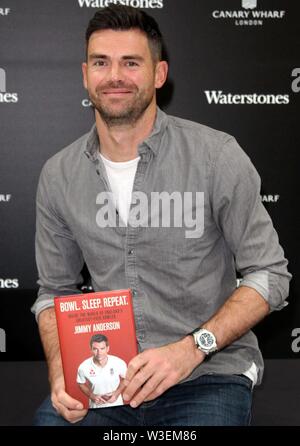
{"x":178,"y":282}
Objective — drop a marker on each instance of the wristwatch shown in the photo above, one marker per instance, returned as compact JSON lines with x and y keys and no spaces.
{"x":205,"y":340}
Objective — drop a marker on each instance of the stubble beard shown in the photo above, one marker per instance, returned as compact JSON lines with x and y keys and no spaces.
{"x":128,"y":115}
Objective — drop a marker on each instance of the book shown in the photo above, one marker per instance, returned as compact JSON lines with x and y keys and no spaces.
{"x":97,"y":340}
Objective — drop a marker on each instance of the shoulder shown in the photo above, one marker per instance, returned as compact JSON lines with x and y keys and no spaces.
{"x":86,"y":363}
{"x":212,"y":149}
{"x":67,"y":159}
{"x":197,"y":130}
{"x":116,"y":360}
{"x":204,"y":143}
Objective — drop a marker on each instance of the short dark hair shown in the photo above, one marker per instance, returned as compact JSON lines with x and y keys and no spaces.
{"x":98,"y":338}
{"x":121,"y":17}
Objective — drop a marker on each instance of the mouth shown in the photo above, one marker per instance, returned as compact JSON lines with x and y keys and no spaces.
{"x":117,"y":92}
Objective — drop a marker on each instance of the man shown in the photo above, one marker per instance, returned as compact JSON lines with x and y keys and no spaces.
{"x":100,"y":377}
{"x":198,"y":359}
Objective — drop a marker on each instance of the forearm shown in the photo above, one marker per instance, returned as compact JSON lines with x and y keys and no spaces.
{"x":86,"y":390}
{"x":154,"y":371}
{"x":50,"y":341}
{"x":242,"y":311}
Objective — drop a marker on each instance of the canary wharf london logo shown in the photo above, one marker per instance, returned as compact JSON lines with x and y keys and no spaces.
{"x":4,"y":11}
{"x":146,"y":4}
{"x":249,"y":4}
{"x":249,"y":15}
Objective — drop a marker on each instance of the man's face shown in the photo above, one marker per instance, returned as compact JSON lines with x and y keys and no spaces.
{"x":121,"y":75}
{"x":100,"y":350}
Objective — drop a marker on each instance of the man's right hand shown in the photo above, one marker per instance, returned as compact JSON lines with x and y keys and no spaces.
{"x":69,"y":408}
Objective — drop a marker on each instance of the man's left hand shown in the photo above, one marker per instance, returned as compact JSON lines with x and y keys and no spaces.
{"x":154,"y":371}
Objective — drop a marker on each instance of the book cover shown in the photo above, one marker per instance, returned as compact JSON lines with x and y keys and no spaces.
{"x":97,"y":340}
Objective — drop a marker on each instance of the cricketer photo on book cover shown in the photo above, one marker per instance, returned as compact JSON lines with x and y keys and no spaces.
{"x":97,"y":341}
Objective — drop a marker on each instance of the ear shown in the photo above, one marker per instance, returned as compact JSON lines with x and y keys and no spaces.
{"x":161,"y":73}
{"x":107,"y":349}
{"x":84,"y":74}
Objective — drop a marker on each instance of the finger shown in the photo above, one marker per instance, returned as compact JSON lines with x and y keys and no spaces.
{"x":73,"y":416}
{"x":134,"y":366}
{"x":152,"y":387}
{"x":70,"y":415}
{"x":67,"y":401}
{"x":139,"y":380}
{"x":160,"y":389}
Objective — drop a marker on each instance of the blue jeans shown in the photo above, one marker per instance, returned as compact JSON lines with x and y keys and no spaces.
{"x":210,"y":400}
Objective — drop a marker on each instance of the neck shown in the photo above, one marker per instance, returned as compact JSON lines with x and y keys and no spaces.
{"x":120,"y":143}
{"x":102,"y":362}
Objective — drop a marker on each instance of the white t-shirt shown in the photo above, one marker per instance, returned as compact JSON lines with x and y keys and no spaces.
{"x":121,"y":178}
{"x":103,"y":380}
{"x":252,"y":374}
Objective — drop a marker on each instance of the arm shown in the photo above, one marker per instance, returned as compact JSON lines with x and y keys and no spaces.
{"x":66,"y":406}
{"x":59,"y":263}
{"x":242,"y":311}
{"x":85,"y":389}
{"x":248,"y":231}
{"x":161,"y":368}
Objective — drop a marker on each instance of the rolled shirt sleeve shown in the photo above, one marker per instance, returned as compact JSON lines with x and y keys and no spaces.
{"x":58,"y":257}
{"x":247,"y":226}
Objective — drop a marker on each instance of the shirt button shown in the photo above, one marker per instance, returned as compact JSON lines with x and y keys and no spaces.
{"x":130,"y":252}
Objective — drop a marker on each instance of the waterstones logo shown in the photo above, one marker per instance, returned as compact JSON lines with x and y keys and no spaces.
{"x":4,"y":95}
{"x":2,"y":340}
{"x":249,"y":15}
{"x":9,"y":283}
{"x":146,"y":4}
{"x":218,"y":97}
{"x":2,"y":80}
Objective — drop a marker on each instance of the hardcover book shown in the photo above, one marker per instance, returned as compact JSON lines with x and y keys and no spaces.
{"x":97,"y":340}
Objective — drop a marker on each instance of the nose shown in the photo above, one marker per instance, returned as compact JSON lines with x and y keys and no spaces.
{"x":116,"y":72}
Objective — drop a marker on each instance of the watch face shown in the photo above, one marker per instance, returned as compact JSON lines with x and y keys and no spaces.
{"x":206,"y":340}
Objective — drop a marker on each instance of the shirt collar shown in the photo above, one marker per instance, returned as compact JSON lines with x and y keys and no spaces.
{"x":153,"y":141}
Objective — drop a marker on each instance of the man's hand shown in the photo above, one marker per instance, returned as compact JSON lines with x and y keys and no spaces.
{"x":154,"y":371}
{"x":66,"y":406}
{"x":98,"y":399}
{"x":69,"y":408}
{"x":115,"y":395}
